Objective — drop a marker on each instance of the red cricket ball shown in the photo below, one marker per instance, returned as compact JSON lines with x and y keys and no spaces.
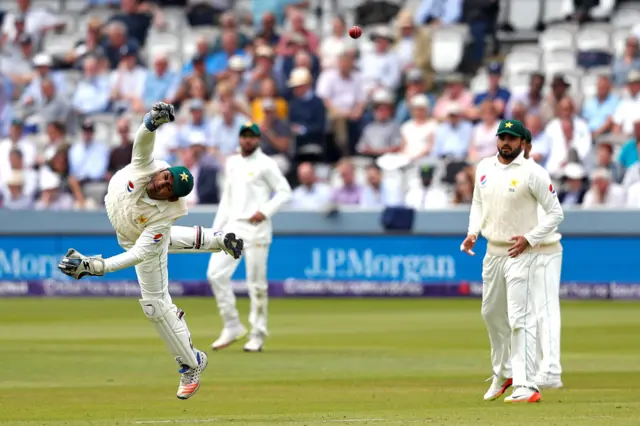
{"x":355,"y":31}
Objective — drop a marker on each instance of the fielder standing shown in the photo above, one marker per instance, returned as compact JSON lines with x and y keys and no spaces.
{"x":247,"y":206}
{"x":143,"y":201}
{"x":507,"y":192}
{"x":546,"y":279}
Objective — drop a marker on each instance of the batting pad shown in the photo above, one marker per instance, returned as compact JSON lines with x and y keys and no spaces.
{"x":172,"y":329}
{"x":195,"y":239}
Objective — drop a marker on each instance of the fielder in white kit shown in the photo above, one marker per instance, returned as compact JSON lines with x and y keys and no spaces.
{"x":506,"y":195}
{"x":254,"y":190}
{"x":546,"y":287}
{"x":143,"y":201}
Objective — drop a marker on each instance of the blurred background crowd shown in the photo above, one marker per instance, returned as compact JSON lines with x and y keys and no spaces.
{"x":397,"y":117}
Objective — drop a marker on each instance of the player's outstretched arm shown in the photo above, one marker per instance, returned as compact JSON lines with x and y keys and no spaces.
{"x":542,"y":189}
{"x":143,"y":144}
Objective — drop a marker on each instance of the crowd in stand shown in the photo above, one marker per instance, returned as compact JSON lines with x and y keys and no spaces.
{"x":318,"y":101}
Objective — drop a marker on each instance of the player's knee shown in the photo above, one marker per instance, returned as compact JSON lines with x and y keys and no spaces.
{"x":257,"y":290}
{"x":487,"y":311}
{"x":214,"y":275}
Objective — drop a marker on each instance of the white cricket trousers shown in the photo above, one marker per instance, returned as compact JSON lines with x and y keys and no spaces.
{"x":508,"y":312}
{"x":546,"y":289}
{"x":219,"y":273}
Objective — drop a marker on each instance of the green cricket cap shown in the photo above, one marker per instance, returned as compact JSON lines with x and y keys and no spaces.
{"x":512,"y":127}
{"x":527,"y":136}
{"x":251,"y":127}
{"x":182,"y":181}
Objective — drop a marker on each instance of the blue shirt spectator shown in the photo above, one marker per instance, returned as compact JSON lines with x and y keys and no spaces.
{"x":307,"y":115}
{"x":92,"y":93}
{"x":88,"y":158}
{"x":444,"y":11}
{"x":226,"y":128}
{"x":218,"y":62}
{"x":160,"y":83}
{"x":600,"y":108}
{"x":629,"y":61}
{"x":495,"y":92}
{"x":629,"y":153}
{"x":452,"y":137}
{"x":197,"y":124}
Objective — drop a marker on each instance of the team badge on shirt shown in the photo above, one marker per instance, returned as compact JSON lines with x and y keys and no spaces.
{"x":514,"y":183}
{"x":142,"y":219}
{"x":130,"y":187}
{"x":483,"y":180}
{"x":552,"y":190}
{"x":157,"y":238}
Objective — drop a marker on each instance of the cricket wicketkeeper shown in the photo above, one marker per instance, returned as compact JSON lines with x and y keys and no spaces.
{"x":143,"y":201}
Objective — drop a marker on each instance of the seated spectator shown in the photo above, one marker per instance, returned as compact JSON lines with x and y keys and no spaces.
{"x":603,"y":192}
{"x":496,"y":94}
{"x":138,"y":17}
{"x":202,"y":51}
{"x":559,"y":90}
{"x":92,"y":93}
{"x":405,"y":45}
{"x":599,"y":110}
{"x":127,"y":83}
{"x":32,"y":94}
{"x":19,"y":66}
{"x":540,"y":144}
{"x":628,"y":62}
{"x":16,"y":141}
{"x":217,"y":63}
{"x":417,"y":134}
{"x":268,"y":31}
{"x":116,"y":43}
{"x":335,"y":44}
{"x":236,"y":75}
{"x":629,"y":152}
{"x":455,"y":93}
{"x":120,"y":156}
{"x":569,"y":137}
{"x":304,"y":59}
{"x":268,"y":90}
{"x":481,"y":16}
{"x":225,"y":129}
{"x":297,"y":21}
{"x":37,"y":20}
{"x":203,"y":13}
{"x":310,"y":194}
{"x":627,"y":112}
{"x":88,"y":158}
{"x":428,"y":196}
{"x":453,"y":136}
{"x":225,"y":93}
{"x":52,"y":196}
{"x":168,"y":142}
{"x":382,"y":135}
{"x":414,"y":85}
{"x":377,"y":193}
{"x":279,"y":8}
{"x":342,"y":90}
{"x":196,"y":123}
{"x":574,"y":188}
{"x":205,"y":174}
{"x":197,"y":76}
{"x":160,"y":83}
{"x":262,"y":70}
{"x":276,"y":136}
{"x":530,"y":100}
{"x":604,"y":159}
{"x":463,"y":191}
{"x":285,"y":63}
{"x":350,"y":193}
{"x":52,"y":106}
{"x":9,"y":42}
{"x":59,"y":165}
{"x":57,"y":142}
{"x":228,"y":23}
{"x":91,"y":45}
{"x":483,"y":142}
{"x":381,"y":68}
{"x":29,"y":175}
{"x":307,"y":116}
{"x":14,"y":196}
{"x":433,"y":13}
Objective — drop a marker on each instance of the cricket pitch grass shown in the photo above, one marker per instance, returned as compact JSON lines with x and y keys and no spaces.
{"x":357,"y":362}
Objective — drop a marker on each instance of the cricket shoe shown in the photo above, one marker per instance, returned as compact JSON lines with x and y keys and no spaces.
{"x":548,"y":381}
{"x":255,"y":343}
{"x":190,"y":380}
{"x":524,"y":394}
{"x":229,"y":336}
{"x":498,"y":386}
{"x":233,"y":245}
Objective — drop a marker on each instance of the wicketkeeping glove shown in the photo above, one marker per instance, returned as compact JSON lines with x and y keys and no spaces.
{"x":78,"y":266}
{"x":160,"y":114}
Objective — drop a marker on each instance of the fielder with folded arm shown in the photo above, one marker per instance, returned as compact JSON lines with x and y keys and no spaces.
{"x":143,"y":202}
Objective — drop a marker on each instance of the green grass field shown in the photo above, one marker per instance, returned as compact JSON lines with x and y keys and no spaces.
{"x":375,"y":362}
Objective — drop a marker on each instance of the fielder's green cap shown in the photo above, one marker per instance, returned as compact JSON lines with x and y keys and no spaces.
{"x":512,"y":127}
{"x":251,"y":127}
{"x":527,"y":136}
{"x":182,"y":181}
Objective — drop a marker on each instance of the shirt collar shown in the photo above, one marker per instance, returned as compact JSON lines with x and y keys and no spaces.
{"x":161,"y":205}
{"x":518,"y":160}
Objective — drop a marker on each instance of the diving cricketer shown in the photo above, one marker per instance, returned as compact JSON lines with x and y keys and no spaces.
{"x":143,"y":201}
{"x":254,"y":190}
{"x":506,"y":195}
{"x":546,"y":289}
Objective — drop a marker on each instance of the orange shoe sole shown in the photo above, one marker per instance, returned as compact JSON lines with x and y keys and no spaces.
{"x":536,"y":397}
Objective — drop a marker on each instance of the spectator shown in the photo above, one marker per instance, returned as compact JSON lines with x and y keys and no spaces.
{"x":16,"y":141}
{"x":569,"y":136}
{"x":453,"y":136}
{"x":497,"y":94}
{"x":574,"y":189}
{"x":276,"y":136}
{"x":310,"y":194}
{"x":37,"y":21}
{"x":168,"y":142}
{"x":599,"y":110}
{"x":629,"y":152}
{"x":405,"y":46}
{"x":197,"y":76}
{"x":285,"y":63}
{"x":531,"y":100}
{"x":262,"y":70}
{"x":18,"y":67}
{"x":415,"y":85}
{"x":217,"y":63}
{"x":16,"y":164}
{"x":428,"y":196}
{"x":57,"y":135}
{"x":225,"y":93}
{"x":540,"y":144}
{"x":32,"y":94}
{"x":463,"y":191}
{"x":436,"y":13}
{"x":482,"y":17}
{"x":627,"y":112}
{"x":14,"y":196}
{"x":160,"y":83}
{"x":202,"y":52}
{"x":204,"y":174}
{"x":519,"y":112}
{"x":196,"y":123}
{"x":120,"y":156}
{"x":236,"y":75}
{"x":296,"y":20}
{"x":418,"y":133}
{"x":604,"y":159}
{"x":127,"y":83}
{"x":225,"y":129}
{"x":350,"y":193}
{"x":377,"y":193}
{"x":88,"y":158}
{"x":137,"y":18}
{"x":381,"y":68}
{"x":116,"y":43}
{"x":59,"y":165}
{"x":342,"y":90}
{"x":228,"y":23}
{"x":51,"y":106}
{"x":268,"y":31}
{"x":455,"y":93}
{"x":382,"y":135}
{"x":90,"y":45}
{"x":52,"y":197}
{"x":9,"y":42}
{"x":279,"y":8}
{"x":6,"y":107}
{"x":203,"y":13}
{"x":483,"y":141}
{"x":307,"y":116}
{"x":630,"y":61}
{"x":604,"y":193}
{"x":91,"y":95}
{"x":335,"y":44}
{"x":268,"y":90}
{"x":559,"y":90}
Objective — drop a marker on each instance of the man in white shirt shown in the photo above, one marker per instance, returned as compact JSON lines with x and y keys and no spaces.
{"x":247,"y":205}
{"x":143,"y":202}
{"x":627,"y":112}
{"x":13,"y":142}
{"x":428,"y":196}
{"x":37,"y":21}
{"x":508,"y":189}
{"x":546,"y":291}
{"x":381,"y":68}
{"x":310,"y":194}
{"x":127,"y":81}
{"x":603,"y":192}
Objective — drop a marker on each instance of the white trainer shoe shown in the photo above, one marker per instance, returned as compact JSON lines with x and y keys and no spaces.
{"x":190,"y":380}
{"x":498,"y":386}
{"x":524,"y":394}
{"x":229,"y":336}
{"x":254,"y":344}
{"x":548,"y":381}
